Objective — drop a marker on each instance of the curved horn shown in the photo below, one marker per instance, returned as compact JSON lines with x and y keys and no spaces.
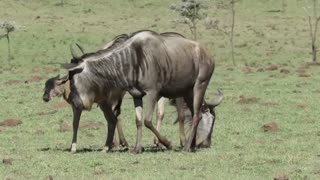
{"x":81,"y":48}
{"x":74,"y":55}
{"x":218,"y":100}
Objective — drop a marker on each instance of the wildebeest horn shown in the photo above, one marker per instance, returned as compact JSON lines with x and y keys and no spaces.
{"x":73,"y":53}
{"x":217,"y":101}
{"x":81,"y":48}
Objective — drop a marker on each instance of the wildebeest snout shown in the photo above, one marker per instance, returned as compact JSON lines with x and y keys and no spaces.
{"x":46,"y":97}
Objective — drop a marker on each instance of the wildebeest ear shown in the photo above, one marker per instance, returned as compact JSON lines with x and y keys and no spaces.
{"x":71,"y":66}
{"x":62,"y":80}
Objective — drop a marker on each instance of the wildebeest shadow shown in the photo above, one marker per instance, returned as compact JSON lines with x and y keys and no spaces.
{"x":147,"y":149}
{"x":81,"y":150}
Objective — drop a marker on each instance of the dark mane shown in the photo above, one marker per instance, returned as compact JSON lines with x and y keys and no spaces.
{"x":172,"y":34}
{"x":144,"y":30}
{"x":119,"y":40}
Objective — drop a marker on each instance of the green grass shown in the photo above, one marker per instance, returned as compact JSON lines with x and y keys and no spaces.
{"x":241,"y":150}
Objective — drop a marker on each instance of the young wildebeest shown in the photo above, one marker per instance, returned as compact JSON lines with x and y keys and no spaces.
{"x":148,"y":66}
{"x":109,"y":105}
{"x":205,"y":127}
{"x":56,"y":87}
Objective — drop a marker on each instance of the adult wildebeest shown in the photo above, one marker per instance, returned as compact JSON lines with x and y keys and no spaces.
{"x":148,"y":66}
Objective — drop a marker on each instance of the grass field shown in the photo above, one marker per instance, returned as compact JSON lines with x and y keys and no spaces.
{"x":272,"y":82}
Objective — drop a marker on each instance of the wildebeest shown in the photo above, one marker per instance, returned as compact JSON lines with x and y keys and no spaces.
{"x":110,"y":105}
{"x":57,"y":86}
{"x":205,"y":127}
{"x":148,"y":66}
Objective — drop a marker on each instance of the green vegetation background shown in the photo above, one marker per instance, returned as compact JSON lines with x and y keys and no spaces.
{"x":272,"y":82}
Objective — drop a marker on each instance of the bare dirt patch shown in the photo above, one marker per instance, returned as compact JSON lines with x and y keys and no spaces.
{"x":246,"y":70}
{"x":230,"y":69}
{"x":86,"y":125}
{"x":98,"y":171}
{"x":272,"y":68}
{"x":284,"y":71}
{"x":45,"y":69}
{"x":281,"y":177}
{"x":12,"y":82}
{"x":270,"y":127}
{"x":302,"y":106}
{"x":269,"y":103}
{"x":260,"y":141}
{"x":316,"y":91}
{"x":296,"y":91}
{"x":248,"y":100}
{"x":302,"y":71}
{"x":304,"y":75}
{"x":34,"y":78}
{"x":10,"y":122}
{"x":49,"y":177}
{"x":7,"y":161}
{"x":260,"y":70}
{"x":316,"y":171}
{"x":277,"y":76}
{"x":246,"y":109}
{"x":46,"y":113}
{"x":61,"y":104}
{"x":302,"y":84}
{"x":39,"y":133}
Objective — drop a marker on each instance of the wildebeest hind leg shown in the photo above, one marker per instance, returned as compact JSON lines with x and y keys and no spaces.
{"x":139,"y":115}
{"x":199,"y":91}
{"x":181,"y":117}
{"x":150,"y":100}
{"x":76,"y":119}
{"x":122,"y":139}
{"x":160,"y":116}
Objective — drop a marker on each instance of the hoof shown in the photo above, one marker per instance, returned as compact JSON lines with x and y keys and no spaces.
{"x":73,"y":148}
{"x":188,"y":149}
{"x":124,"y":144}
{"x":167,"y":144}
{"x":137,"y":150}
{"x":156,"y":141}
{"x":105,"y":149}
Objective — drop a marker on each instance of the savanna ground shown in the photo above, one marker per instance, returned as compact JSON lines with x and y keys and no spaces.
{"x":271,"y":83}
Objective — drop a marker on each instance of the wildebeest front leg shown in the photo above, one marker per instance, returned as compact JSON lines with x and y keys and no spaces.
{"x":150,"y":101}
{"x":199,"y":91}
{"x":111,"y":121}
{"x":76,"y":119}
